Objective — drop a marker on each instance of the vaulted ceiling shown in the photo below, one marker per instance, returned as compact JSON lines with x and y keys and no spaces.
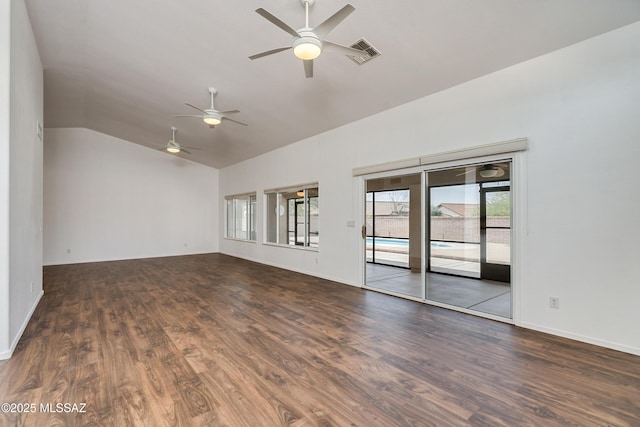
{"x":125,"y":67}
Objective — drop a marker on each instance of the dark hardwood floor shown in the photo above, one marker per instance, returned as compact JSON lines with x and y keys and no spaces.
{"x":211,"y":340}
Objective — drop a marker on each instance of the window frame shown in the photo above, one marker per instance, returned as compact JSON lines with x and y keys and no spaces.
{"x":278,"y":216}
{"x":233,"y":228}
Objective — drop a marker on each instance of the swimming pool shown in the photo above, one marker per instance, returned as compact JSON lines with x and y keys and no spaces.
{"x":389,"y":241}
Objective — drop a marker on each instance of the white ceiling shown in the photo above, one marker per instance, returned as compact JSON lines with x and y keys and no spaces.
{"x":124,"y":67}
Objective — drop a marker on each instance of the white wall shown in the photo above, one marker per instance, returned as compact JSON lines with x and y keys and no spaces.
{"x":108,"y":199}
{"x":5,"y":75}
{"x":579,"y":109}
{"x":25,"y":179}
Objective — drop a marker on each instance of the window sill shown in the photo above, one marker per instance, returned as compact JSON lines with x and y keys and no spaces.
{"x":300,"y":248}
{"x":239,"y":240}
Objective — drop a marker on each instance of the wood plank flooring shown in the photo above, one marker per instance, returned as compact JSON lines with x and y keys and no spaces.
{"x":211,"y":340}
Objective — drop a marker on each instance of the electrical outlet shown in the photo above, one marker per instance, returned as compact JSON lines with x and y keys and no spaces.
{"x":554,"y":302}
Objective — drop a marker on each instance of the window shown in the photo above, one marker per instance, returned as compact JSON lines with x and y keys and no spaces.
{"x":241,"y":217}
{"x":292,"y":216}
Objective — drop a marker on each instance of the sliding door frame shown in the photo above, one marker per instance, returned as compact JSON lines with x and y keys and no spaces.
{"x":518,"y":223}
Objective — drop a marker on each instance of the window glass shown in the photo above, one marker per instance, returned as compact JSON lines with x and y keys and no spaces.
{"x":292,"y":216}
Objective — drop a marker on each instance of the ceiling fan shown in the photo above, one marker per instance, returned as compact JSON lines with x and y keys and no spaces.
{"x":488,"y":170}
{"x":308,"y":43}
{"x":211,"y":116}
{"x":173,"y":147}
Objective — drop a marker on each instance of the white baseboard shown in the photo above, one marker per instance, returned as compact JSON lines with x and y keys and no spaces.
{"x":49,"y":263}
{"x":297,"y":270}
{"x":8,"y":353}
{"x":582,"y":338}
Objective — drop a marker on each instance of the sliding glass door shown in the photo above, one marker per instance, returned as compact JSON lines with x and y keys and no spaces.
{"x":443,"y":236}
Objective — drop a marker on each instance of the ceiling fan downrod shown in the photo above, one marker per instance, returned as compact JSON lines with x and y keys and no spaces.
{"x":212,"y":91}
{"x":306,"y":4}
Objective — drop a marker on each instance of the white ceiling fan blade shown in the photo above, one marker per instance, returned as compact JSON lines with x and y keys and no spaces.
{"x":330,"y":23}
{"x":234,"y":121}
{"x":187,"y":115}
{"x":182,"y":150}
{"x":269,"y":52}
{"x":229,"y":112}
{"x":467,"y":172}
{"x":197,"y":108}
{"x":164,"y":149}
{"x":336,"y":48}
{"x":269,"y":17}
{"x":308,"y":68}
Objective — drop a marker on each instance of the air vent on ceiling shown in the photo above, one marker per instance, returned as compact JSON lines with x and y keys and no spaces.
{"x":364,"y":45}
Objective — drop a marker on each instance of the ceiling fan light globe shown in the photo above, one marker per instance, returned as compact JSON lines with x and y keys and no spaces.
{"x":212,"y":120}
{"x":307,"y":48}
{"x":489,"y":173}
